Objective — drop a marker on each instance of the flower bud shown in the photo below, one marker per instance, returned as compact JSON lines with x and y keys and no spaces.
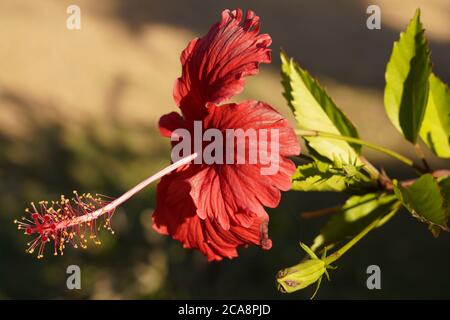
{"x":301,"y":275}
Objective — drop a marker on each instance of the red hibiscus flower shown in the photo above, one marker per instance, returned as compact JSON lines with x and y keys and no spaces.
{"x":218,"y":207}
{"x":214,"y":206}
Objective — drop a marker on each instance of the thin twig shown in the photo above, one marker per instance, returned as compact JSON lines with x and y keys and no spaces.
{"x":320,"y":212}
{"x":370,"y":168}
{"x":389,"y":185}
{"x":421,"y":155}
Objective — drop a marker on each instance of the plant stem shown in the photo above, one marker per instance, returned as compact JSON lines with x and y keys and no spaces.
{"x":421,"y":155}
{"x":127,"y":195}
{"x":337,"y":254}
{"x":370,"y":169}
{"x":389,"y":152}
{"x":320,"y":212}
{"x":389,"y":185}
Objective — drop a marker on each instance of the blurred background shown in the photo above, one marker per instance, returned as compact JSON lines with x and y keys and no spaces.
{"x":78,"y":110}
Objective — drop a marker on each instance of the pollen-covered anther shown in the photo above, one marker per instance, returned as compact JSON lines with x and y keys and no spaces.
{"x":72,"y":220}
{"x":64,"y":221}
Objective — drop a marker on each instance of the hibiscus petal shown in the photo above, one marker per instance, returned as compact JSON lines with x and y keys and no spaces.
{"x":254,"y":115}
{"x":210,"y":198}
{"x":170,"y":122}
{"x":223,"y":190}
{"x":214,"y":66}
{"x":175,"y":215}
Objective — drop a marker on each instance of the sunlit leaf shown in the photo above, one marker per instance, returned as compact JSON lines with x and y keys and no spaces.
{"x":406,"y":91}
{"x":337,"y":177}
{"x":444,"y":184}
{"x":425,"y":201}
{"x":435,"y":130}
{"x":356,"y":214}
{"x":314,"y":110}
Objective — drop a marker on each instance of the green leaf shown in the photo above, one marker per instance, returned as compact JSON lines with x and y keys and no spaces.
{"x":444,"y":184}
{"x":314,"y":110}
{"x":406,"y":91}
{"x":435,"y":130}
{"x":337,"y":177}
{"x":356,"y":214}
{"x":425,"y":201}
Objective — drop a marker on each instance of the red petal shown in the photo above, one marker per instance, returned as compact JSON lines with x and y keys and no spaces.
{"x":175,"y":215}
{"x":221,"y":191}
{"x":214,"y":66}
{"x":170,"y":122}
{"x":254,"y":115}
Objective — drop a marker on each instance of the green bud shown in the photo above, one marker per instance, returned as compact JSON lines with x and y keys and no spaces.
{"x":301,"y":275}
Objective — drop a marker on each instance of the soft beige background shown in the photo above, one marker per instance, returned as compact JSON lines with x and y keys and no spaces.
{"x":126,"y":66}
